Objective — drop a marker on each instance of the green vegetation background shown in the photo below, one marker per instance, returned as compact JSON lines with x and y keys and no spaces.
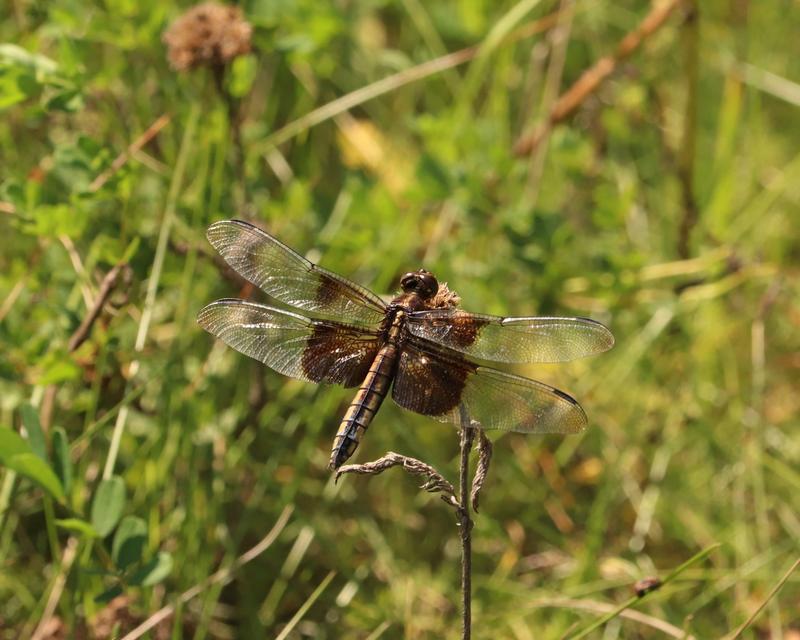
{"x":693,"y":436}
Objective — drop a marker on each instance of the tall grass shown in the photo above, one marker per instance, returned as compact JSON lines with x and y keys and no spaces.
{"x":694,"y":414}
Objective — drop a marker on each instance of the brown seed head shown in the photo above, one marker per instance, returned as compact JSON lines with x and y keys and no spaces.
{"x":208,"y":34}
{"x":444,"y":298}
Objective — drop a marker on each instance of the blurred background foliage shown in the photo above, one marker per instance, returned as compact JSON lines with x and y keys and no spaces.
{"x":665,"y":206}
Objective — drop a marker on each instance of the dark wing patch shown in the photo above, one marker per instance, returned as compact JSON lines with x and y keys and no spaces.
{"x":497,"y":339}
{"x":287,"y":276}
{"x":338,"y":354}
{"x":312,"y":350}
{"x":432,"y":382}
{"x":429,"y":383}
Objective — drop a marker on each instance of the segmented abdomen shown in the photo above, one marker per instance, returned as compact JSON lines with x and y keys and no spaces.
{"x":365,"y":405}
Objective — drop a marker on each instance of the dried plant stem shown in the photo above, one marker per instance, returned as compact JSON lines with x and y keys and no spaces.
{"x":395,"y":81}
{"x":558,"y":38}
{"x":221,"y":577}
{"x":465,"y":525}
{"x":593,"y":77}
{"x":80,"y":335}
{"x":59,"y":582}
{"x":482,"y":470}
{"x":150,"y":133}
{"x":152,"y":284}
{"x":602,"y":607}
{"x":597,"y":624}
{"x":110,"y":280}
{"x":106,"y":287}
{"x":436,"y":483}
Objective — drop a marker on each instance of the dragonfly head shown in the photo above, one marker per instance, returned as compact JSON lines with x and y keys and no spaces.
{"x":421,"y":282}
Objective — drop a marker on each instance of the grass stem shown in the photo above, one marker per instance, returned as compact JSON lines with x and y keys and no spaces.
{"x":306,"y":606}
{"x":686,"y":155}
{"x":394,"y":82}
{"x":754,"y":615}
{"x":155,"y":276}
{"x":634,"y":599}
{"x":222,"y":577}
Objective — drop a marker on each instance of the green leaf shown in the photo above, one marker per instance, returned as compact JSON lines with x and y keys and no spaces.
{"x":14,"y":85}
{"x":154,"y":571}
{"x":107,"y":506}
{"x":17,"y":454}
{"x":433,"y":177}
{"x":76,"y":164}
{"x":76,"y":525}
{"x":24,"y":75}
{"x":13,"y":55}
{"x":114,"y":250}
{"x":34,"y":468}
{"x":53,"y":220}
{"x":109,"y":594}
{"x":130,"y":250}
{"x":56,"y":366}
{"x":243,"y":73}
{"x":68,"y":100}
{"x":30,"y":420}
{"x":61,"y":460}
{"x":11,"y":443}
{"x":129,"y":542}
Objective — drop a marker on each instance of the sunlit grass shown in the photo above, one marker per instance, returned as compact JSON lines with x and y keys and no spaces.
{"x":693,"y":415}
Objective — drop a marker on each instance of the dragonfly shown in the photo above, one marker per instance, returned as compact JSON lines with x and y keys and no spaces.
{"x":434,"y":358}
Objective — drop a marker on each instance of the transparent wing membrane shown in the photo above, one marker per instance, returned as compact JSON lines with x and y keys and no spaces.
{"x":312,"y":350}
{"x":287,"y":276}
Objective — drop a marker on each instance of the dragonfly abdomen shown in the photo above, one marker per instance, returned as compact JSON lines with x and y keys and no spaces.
{"x":365,"y":405}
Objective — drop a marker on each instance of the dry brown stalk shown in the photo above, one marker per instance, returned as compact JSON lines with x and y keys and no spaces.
{"x":67,"y":559}
{"x":395,"y":81}
{"x":435,"y":483}
{"x":106,"y":287}
{"x":593,"y":77}
{"x":110,"y":280}
{"x":79,"y":336}
{"x":601,"y":607}
{"x":484,"y":458}
{"x":150,"y":133}
{"x":212,"y":35}
{"x":222,"y":576}
{"x":465,"y":526}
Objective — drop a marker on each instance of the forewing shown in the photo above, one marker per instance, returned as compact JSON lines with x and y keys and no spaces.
{"x":287,"y":276}
{"x":313,"y":350}
{"x":523,"y":340}
{"x":434,"y":383}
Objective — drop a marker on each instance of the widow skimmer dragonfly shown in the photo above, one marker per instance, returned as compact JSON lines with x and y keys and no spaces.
{"x":428,"y":351}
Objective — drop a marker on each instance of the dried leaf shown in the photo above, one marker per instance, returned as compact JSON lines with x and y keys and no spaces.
{"x":435,"y":482}
{"x":484,"y":458}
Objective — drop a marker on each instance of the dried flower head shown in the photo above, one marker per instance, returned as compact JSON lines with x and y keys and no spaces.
{"x":445,"y":298}
{"x":208,"y":34}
